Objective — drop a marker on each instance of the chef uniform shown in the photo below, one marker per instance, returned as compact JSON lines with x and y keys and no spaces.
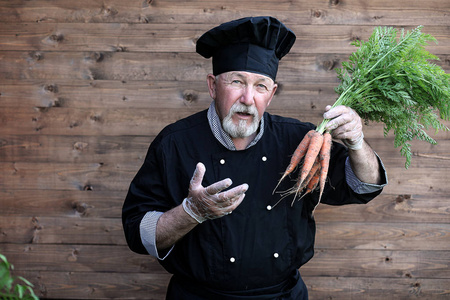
{"x":255,"y":252}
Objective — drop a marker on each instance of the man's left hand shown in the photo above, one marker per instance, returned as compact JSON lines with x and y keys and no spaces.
{"x":345,"y":124}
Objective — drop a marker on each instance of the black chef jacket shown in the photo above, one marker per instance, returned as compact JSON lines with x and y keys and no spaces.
{"x":256,"y":246}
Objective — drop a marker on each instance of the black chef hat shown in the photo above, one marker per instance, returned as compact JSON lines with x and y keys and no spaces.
{"x":253,"y":44}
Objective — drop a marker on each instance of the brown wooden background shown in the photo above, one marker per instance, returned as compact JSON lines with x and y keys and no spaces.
{"x":86,"y":85}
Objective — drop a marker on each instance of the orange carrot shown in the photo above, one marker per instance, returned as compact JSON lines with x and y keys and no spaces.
{"x":311,"y":181}
{"x":314,"y":169}
{"x":312,"y":184}
{"x":297,"y":188}
{"x":299,"y":153}
{"x":313,"y":150}
{"x":301,"y":150}
{"x":300,"y":186}
{"x":324,"y":159}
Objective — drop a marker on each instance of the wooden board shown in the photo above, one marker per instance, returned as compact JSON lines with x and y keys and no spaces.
{"x":354,"y":12}
{"x":111,"y":37}
{"x":125,"y":66}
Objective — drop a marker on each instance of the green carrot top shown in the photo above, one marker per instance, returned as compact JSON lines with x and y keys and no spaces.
{"x":391,"y":81}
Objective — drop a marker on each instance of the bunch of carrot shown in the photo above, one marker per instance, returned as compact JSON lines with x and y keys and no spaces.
{"x":313,"y":153}
{"x":385,"y":80}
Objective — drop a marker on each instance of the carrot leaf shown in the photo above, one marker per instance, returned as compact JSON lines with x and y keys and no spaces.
{"x":392,"y":81}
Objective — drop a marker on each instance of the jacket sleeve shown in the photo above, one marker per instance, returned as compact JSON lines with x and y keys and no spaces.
{"x":342,"y":186}
{"x":146,"y":193}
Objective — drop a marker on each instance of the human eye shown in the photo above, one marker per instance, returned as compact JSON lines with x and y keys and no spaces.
{"x":236,"y":83}
{"x":262,"y":88}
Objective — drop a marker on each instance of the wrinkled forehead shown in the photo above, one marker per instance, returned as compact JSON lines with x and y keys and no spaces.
{"x":247,"y":76}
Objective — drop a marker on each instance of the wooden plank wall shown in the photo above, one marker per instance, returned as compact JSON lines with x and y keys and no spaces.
{"x":86,"y":85}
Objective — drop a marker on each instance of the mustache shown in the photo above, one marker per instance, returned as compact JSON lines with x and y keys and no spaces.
{"x":242,"y":108}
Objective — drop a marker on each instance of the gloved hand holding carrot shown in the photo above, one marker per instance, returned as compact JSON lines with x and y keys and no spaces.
{"x":345,"y":124}
{"x":205,"y":203}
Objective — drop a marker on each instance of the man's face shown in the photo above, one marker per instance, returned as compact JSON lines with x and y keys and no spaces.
{"x":241,"y":99}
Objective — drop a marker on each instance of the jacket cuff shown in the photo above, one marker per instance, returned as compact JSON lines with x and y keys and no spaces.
{"x":360,"y":187}
{"x":147,"y":230}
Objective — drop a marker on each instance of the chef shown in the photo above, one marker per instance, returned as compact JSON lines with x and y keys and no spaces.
{"x":203,"y":203}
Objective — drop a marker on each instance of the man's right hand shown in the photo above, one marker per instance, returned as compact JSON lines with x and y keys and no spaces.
{"x":205,"y":203}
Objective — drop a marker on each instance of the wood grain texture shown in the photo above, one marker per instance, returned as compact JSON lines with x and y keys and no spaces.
{"x":332,"y":12}
{"x":112,"y":37}
{"x":86,"y":285}
{"x":125,"y":66}
{"x":371,"y":288}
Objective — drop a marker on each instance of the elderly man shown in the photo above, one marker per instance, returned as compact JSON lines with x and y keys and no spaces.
{"x":202,"y":202}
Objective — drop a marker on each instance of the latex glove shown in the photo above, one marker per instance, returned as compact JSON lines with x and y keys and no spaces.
{"x":345,"y":124}
{"x":205,"y":203}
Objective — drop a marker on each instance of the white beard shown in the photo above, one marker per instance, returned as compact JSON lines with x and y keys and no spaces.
{"x":241,"y":130}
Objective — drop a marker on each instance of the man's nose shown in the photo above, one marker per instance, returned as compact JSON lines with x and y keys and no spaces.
{"x":247,"y":96}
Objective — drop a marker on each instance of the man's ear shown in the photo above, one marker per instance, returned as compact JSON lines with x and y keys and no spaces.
{"x":211,"y":80}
